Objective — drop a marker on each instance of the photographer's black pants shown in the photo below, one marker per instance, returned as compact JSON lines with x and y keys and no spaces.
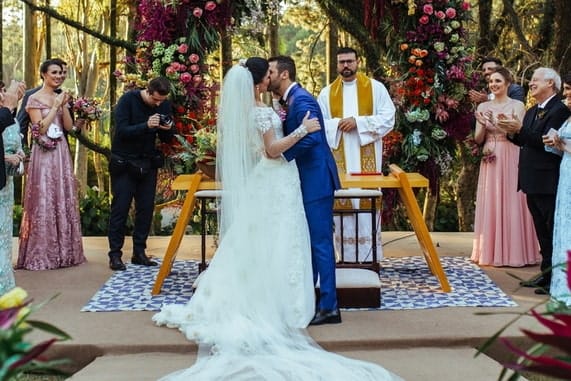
{"x":126,"y":186}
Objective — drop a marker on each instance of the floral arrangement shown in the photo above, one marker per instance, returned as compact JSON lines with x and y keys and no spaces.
{"x":18,"y":355}
{"x":436,"y":70}
{"x":195,"y":144}
{"x":88,"y":109}
{"x":174,"y":38}
{"x":540,"y":358}
{"x":43,"y":141}
{"x":206,"y":145}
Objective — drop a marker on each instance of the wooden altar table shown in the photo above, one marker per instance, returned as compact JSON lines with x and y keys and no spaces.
{"x":397,"y":179}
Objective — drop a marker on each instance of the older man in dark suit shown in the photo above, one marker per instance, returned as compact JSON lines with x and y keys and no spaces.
{"x":538,"y":165}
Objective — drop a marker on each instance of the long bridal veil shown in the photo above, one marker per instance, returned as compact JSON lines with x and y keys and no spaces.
{"x":235,"y":150}
{"x":249,"y":312}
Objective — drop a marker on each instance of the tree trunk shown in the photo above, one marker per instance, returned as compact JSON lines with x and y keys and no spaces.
{"x":484,"y":43}
{"x":465,"y":190}
{"x":430,"y":205}
{"x":225,"y":52}
{"x":30,"y":51}
{"x":562,"y":46}
{"x":331,"y":52}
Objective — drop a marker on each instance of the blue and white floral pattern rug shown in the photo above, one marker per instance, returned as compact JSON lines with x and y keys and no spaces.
{"x":406,"y":283}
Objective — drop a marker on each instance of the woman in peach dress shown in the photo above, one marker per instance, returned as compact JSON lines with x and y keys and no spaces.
{"x":503,"y":228}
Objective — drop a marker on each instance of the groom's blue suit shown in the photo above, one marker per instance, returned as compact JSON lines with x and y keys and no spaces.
{"x":319,"y":179}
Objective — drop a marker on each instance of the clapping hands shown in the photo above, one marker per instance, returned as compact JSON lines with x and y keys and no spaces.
{"x":12,"y":95}
{"x":486,"y":119}
{"x":510,"y":124}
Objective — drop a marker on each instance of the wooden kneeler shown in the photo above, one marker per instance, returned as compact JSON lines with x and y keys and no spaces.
{"x":178,"y":233}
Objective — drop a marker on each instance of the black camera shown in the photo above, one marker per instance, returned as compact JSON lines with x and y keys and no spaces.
{"x":165,"y":120}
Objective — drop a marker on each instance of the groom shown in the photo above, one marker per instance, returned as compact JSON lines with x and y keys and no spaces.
{"x":319,"y":179}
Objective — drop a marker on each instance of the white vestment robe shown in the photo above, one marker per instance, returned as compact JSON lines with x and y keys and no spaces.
{"x":370,"y":130}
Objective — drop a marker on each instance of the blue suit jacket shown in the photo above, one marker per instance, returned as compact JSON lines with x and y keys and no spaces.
{"x":315,"y":163}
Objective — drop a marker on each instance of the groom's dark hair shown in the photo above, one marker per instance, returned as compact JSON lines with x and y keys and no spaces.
{"x":285,"y":63}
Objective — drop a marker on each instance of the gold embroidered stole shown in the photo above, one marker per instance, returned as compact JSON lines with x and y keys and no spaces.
{"x":365,"y":107}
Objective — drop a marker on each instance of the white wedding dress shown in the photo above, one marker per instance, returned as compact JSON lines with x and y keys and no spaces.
{"x":252,"y":304}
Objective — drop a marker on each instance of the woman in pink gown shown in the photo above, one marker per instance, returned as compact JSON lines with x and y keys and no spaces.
{"x":50,"y":233}
{"x":503,"y":228}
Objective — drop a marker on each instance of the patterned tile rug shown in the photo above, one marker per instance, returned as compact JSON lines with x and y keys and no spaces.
{"x":406,"y":284}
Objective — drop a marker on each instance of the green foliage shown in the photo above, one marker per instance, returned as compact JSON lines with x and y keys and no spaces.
{"x":95,"y":209}
{"x":17,"y":219}
{"x":17,"y":354}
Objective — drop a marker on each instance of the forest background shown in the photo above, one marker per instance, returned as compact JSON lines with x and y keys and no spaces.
{"x":95,"y":36}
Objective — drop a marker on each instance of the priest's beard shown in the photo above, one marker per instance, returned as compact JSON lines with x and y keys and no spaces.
{"x":347,"y":73}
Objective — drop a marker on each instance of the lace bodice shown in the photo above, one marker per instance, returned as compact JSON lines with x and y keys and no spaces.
{"x":266,"y":118}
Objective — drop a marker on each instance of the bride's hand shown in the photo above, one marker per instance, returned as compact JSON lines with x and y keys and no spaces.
{"x":312,"y":124}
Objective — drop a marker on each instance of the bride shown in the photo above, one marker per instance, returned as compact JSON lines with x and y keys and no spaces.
{"x":249,"y":312}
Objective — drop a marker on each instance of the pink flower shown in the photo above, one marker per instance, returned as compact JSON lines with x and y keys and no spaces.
{"x":465,"y":6}
{"x":196,"y":79}
{"x":428,"y":9}
{"x":170,"y":70}
{"x":175,"y":66}
{"x":423,"y":20}
{"x":441,"y":115}
{"x":183,"y":48}
{"x":185,"y":77}
{"x":451,"y":13}
{"x":441,"y":15}
{"x":210,"y":5}
{"x":194,"y":68}
{"x":197,"y":12}
{"x":194,"y":58}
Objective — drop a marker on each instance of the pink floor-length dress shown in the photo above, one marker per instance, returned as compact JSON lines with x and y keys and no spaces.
{"x":504,"y":234}
{"x":50,"y":233}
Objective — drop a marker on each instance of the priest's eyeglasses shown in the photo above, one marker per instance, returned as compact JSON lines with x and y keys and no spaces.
{"x":346,"y":62}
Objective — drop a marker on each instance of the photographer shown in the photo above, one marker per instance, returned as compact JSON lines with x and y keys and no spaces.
{"x":140,"y":116}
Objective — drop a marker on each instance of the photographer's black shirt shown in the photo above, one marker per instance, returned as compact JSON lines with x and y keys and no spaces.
{"x":132,"y":138}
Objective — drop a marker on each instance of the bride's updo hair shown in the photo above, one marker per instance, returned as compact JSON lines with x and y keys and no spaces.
{"x":258,"y":66}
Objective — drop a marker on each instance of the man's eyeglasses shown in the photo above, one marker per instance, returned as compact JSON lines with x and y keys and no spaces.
{"x":346,"y":62}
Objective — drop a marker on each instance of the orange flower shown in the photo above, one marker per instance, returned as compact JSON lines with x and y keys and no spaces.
{"x":418,"y":63}
{"x":403,"y":47}
{"x":412,"y":59}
